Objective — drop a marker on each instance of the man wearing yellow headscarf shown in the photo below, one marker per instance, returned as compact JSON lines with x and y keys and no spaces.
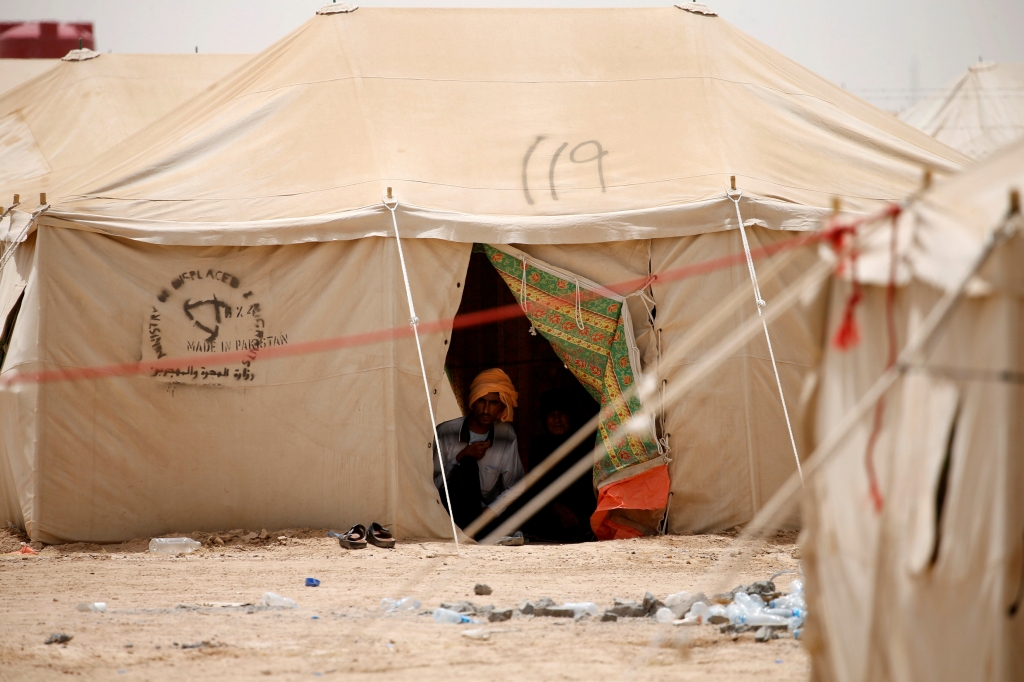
{"x":480,"y":450}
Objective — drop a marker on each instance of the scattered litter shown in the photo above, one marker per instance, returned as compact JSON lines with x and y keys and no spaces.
{"x":314,"y":617}
{"x":514,"y":540}
{"x":312,"y":582}
{"x":664,"y":615}
{"x":747,"y":611}
{"x":96,"y":607}
{"x":681,"y":602}
{"x":226,"y":604}
{"x":481,"y":589}
{"x":271,"y":599}
{"x":59,"y":638}
{"x":778,"y":660}
{"x":443,"y":615}
{"x":173,"y":545}
{"x":477,"y":633}
{"x":25,"y":549}
{"x":582,"y":609}
{"x":388,"y":605}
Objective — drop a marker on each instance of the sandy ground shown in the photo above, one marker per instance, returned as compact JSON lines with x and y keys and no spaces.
{"x":160,"y":608}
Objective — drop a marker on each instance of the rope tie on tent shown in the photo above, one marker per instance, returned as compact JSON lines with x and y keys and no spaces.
{"x":21,"y":237}
{"x":523,"y":303}
{"x":414,"y":322}
{"x":579,"y":307}
{"x":890,"y":325}
{"x":734,"y":197}
{"x":848,"y":333}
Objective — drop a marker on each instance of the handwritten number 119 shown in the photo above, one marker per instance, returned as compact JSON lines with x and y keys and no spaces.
{"x":576,"y":155}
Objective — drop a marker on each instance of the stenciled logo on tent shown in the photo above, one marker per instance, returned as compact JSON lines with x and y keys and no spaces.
{"x":206,"y":311}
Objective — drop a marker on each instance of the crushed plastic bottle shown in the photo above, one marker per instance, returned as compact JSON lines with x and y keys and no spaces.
{"x":95,"y":607}
{"x":173,"y":545}
{"x":701,"y":612}
{"x":454,"y":617}
{"x":388,"y":605}
{"x":271,"y":599}
{"x":664,"y":615}
{"x":583,"y":607}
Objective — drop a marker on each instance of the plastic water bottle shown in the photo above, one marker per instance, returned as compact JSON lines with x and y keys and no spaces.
{"x":271,"y":599}
{"x":173,"y":545}
{"x":664,"y":615}
{"x":387,"y":605}
{"x":699,"y":611}
{"x":449,"y":616}
{"x":760,"y":618}
{"x":581,"y":607}
{"x":785,"y":613}
{"x":96,"y":607}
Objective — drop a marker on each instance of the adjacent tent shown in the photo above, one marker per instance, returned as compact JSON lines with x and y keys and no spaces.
{"x":929,"y":587}
{"x":590,"y":146}
{"x":65,"y":117}
{"x":14,"y":72}
{"x":978,"y":113}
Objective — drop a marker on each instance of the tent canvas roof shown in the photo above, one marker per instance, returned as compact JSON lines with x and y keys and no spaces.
{"x":501,"y":125}
{"x":978,"y":113}
{"x":14,"y":72}
{"x":68,"y":115}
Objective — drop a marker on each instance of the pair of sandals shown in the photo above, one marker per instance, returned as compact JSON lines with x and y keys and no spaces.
{"x":357,"y":535}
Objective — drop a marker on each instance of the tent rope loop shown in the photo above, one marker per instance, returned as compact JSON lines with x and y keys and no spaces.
{"x":414,"y":321}
{"x":21,"y":236}
{"x":579,"y":307}
{"x":523,"y":303}
{"x":734,"y":197}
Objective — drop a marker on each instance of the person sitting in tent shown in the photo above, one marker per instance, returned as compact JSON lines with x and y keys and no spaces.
{"x":480,"y":451}
{"x":567,"y":517}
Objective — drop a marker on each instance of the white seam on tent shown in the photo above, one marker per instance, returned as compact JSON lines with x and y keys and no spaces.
{"x":415,"y":321}
{"x":761,"y":304}
{"x":21,"y":237}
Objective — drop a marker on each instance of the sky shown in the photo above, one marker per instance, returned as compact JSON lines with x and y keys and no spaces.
{"x":890,"y":52}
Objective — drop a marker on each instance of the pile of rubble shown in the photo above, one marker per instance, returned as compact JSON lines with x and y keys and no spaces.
{"x":758,"y":607}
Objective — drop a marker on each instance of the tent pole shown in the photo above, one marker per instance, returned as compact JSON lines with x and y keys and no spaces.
{"x":415,"y":322}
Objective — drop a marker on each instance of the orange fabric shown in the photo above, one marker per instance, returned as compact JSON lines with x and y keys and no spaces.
{"x":495,"y":381}
{"x":648,"y":490}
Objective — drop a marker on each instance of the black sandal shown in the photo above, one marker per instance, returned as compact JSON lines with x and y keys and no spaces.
{"x":355,"y":538}
{"x":380,"y":536}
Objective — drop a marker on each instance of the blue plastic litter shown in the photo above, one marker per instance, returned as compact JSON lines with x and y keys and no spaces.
{"x":312,"y":582}
{"x":314,"y":617}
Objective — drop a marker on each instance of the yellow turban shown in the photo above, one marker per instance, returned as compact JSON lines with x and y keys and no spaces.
{"x":495,"y":381}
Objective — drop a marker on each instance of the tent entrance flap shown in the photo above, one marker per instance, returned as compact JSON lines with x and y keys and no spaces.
{"x":589,"y":329}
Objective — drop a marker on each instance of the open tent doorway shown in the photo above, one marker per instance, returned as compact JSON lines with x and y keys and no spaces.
{"x":584,"y":346}
{"x":527,"y":358}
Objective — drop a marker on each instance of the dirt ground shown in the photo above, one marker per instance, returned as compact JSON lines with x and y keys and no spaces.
{"x":192,"y":617}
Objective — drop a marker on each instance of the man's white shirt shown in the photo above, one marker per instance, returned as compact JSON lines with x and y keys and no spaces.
{"x":500,"y":462}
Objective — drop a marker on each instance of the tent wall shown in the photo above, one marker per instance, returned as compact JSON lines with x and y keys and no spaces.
{"x":13,"y":281}
{"x":913,"y":593}
{"x":315,"y":440}
{"x":730,"y":449}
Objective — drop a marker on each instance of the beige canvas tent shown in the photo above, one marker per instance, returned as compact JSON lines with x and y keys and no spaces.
{"x":584,"y":147}
{"x":14,"y":72}
{"x":67,"y":115}
{"x":930,"y":586}
{"x":978,"y":113}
